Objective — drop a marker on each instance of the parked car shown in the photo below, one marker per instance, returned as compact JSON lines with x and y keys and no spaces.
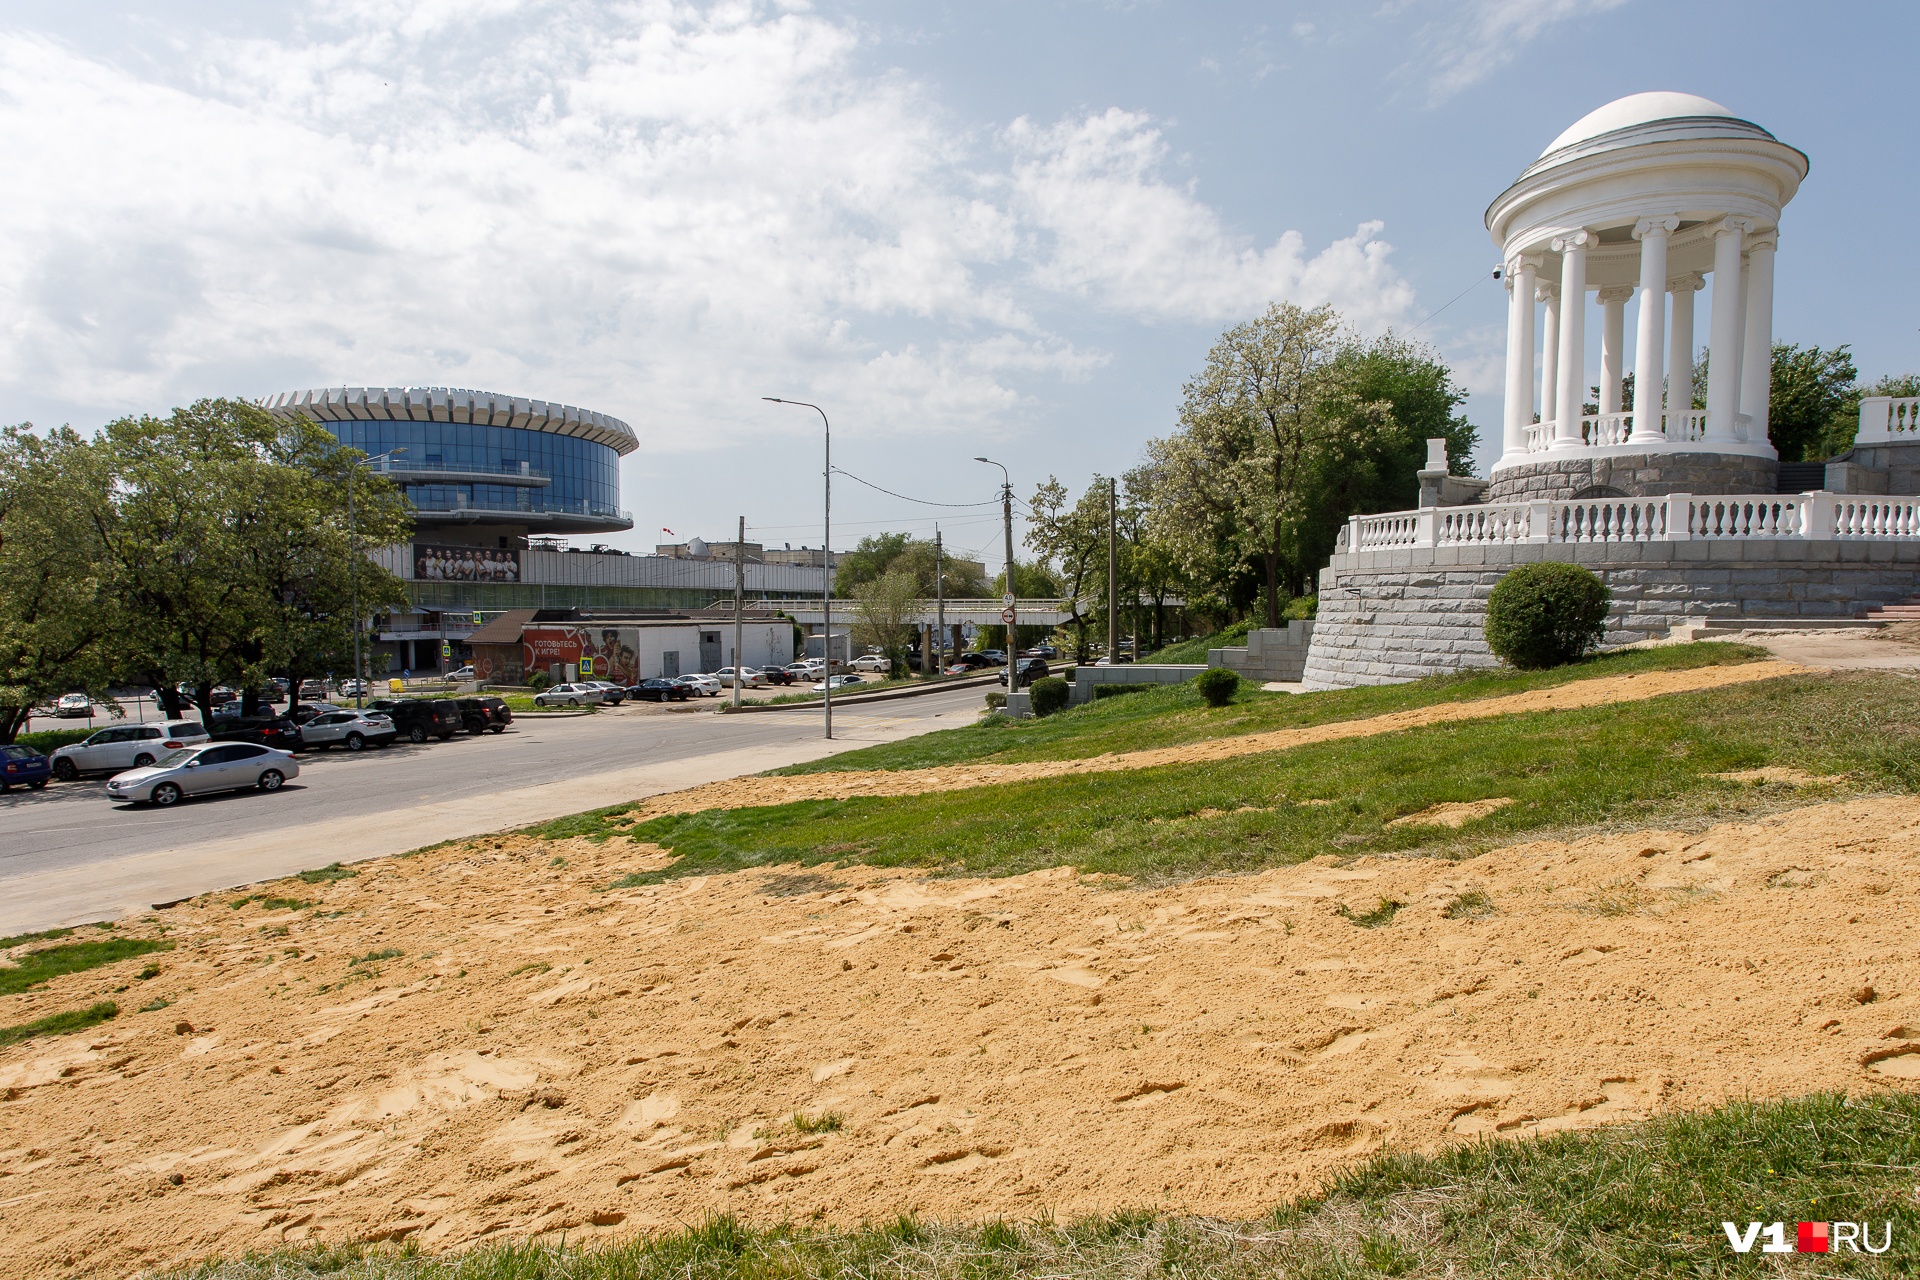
{"x":73,"y":706}
{"x":975,"y":662}
{"x":23,"y":767}
{"x":872,"y":662}
{"x":702,"y":684}
{"x":483,"y":715}
{"x":355,"y":688}
{"x":659,"y":691}
{"x":277,"y":732}
{"x":798,"y":671}
{"x":126,"y":746}
{"x":1029,"y":670}
{"x":313,"y":690}
{"x":198,"y":770}
{"x":569,"y":695}
{"x":610,"y":693}
{"x":302,"y":712}
{"x":353,"y":730}
{"x":463,"y":674}
{"x":777,"y":675}
{"x":418,"y":719}
{"x":749,"y":677}
{"x":839,"y":682}
{"x":1046,"y":651}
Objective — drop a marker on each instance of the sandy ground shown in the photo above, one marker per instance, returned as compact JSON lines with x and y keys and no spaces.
{"x":735,"y":793}
{"x":550,"y":1056}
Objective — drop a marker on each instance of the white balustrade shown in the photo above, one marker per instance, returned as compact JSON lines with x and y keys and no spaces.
{"x":1606,"y":428}
{"x":1889,"y":420}
{"x":1675,"y":517}
{"x":1539,"y":437}
{"x":1687,"y":425}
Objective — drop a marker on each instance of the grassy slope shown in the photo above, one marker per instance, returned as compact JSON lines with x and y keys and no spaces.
{"x":1175,"y":714}
{"x":1195,"y":650}
{"x":39,"y":966}
{"x":1632,"y":1201}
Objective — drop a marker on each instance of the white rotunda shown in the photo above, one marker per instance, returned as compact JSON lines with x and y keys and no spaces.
{"x":1641,"y":201}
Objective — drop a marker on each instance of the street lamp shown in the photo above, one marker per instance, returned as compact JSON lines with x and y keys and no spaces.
{"x":353,"y":579}
{"x":826,"y":557}
{"x":1010,"y":615}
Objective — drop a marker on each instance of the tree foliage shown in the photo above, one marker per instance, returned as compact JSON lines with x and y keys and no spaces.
{"x":1546,"y":614}
{"x":884,"y":610}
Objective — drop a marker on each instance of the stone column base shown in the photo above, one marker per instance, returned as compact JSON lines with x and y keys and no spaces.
{"x":1632,"y":475}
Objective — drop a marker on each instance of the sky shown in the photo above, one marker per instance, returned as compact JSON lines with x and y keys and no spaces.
{"x":1010,"y":229}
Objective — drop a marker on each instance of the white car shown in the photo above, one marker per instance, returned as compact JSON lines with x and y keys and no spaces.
{"x":353,"y":730}
{"x":872,"y":662}
{"x":703,"y":684}
{"x":73,"y":706}
{"x":805,"y":670}
{"x":839,"y":682}
{"x":197,"y":770}
{"x":750,"y":677}
{"x":610,"y":693}
{"x":127,"y":746}
{"x":464,"y":673}
{"x":569,"y":695}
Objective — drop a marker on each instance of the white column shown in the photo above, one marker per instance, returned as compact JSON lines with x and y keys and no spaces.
{"x":1756,"y":359}
{"x":1652,"y":234}
{"x":1613,"y":338}
{"x":1572,"y":369}
{"x":1723,"y":337}
{"x":1680,"y":349}
{"x":1521,"y":274}
{"x":1549,"y":349}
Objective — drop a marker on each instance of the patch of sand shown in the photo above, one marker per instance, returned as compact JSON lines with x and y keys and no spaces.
{"x":1780,"y":774}
{"x":1453,"y":815}
{"x":740,"y":793}
{"x":550,"y":1056}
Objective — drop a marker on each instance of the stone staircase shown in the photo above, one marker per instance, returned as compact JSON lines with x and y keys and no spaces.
{"x":1705,"y":628}
{"x":1907,"y":610}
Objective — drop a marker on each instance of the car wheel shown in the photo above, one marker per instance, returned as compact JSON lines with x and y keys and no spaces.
{"x":142,"y":760}
{"x":355,"y":742}
{"x":5,"y":786}
{"x":165,"y":794}
{"x":65,"y":770}
{"x":499,"y":728}
{"x":573,"y":702}
{"x":271,"y":780}
{"x":416,"y":734}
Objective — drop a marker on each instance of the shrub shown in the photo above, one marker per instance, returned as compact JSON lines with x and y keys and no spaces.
{"x":1049,"y":694}
{"x":538,"y":680}
{"x":1546,"y":615}
{"x":1300,"y":608}
{"x":1217,"y":686}
{"x":996,"y":700}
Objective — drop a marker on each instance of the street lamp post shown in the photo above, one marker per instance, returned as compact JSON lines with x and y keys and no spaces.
{"x":826,"y":556}
{"x":1011,"y":614}
{"x":353,"y":579}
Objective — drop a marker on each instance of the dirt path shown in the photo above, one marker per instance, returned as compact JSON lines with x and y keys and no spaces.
{"x":741,"y":793}
{"x":549,"y":1057}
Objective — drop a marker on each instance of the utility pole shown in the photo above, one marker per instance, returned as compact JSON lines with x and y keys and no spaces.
{"x":939,"y":602}
{"x":1113,"y":578}
{"x":353,"y":582}
{"x":739,"y":603}
{"x":1009,"y":614}
{"x":826,"y":553}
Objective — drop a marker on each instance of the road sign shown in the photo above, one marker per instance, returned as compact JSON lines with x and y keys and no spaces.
{"x":1006,"y":616}
{"x":446,"y":650}
{"x":1007,"y":599}
{"x":476,"y":617}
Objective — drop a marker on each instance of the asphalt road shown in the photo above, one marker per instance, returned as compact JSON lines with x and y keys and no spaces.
{"x":66,"y":843}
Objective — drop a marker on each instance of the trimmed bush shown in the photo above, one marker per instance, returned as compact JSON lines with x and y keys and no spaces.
{"x":1048,"y":694}
{"x":1217,"y":685}
{"x":996,"y":700}
{"x":1546,"y":615}
{"x":538,"y":680}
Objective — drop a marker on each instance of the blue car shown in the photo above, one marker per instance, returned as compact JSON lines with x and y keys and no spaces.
{"x":23,"y":765}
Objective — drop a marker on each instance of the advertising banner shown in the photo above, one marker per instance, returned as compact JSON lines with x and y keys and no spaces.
{"x":464,"y":564}
{"x":600,"y":653}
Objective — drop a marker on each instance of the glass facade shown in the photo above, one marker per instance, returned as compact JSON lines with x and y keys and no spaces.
{"x":585,"y":475}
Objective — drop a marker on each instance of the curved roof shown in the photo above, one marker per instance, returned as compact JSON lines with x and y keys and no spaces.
{"x":454,"y":404}
{"x":1637,"y":109}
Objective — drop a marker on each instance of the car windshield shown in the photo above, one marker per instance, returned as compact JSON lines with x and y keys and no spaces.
{"x":174,"y":759}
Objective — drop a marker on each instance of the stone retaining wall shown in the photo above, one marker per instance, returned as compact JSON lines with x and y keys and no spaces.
{"x":1390,"y":616}
{"x":1086,"y":677}
{"x":1638,"y":475}
{"x":1272,"y":653}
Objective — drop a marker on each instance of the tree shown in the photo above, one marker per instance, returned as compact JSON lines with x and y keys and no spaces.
{"x":885,"y":611}
{"x":1074,"y":538}
{"x":870,"y":558}
{"x":1812,"y":392}
{"x":55,"y":609}
{"x":917,"y":557}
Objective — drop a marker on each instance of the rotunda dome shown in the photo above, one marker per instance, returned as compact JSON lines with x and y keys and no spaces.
{"x":1637,"y":109}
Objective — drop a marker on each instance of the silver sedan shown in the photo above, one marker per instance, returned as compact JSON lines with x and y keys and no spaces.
{"x":198,"y":770}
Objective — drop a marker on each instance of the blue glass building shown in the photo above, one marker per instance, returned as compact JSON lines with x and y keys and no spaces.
{"x":479,"y":467}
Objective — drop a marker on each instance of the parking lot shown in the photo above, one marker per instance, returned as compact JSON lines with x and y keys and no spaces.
{"x":68,"y":853}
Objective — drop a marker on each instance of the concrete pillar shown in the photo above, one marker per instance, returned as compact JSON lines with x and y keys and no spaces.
{"x":1572,"y":371}
{"x":1680,"y":350}
{"x":1613,"y":333}
{"x":1549,"y":350}
{"x":1648,"y":424}
{"x":1521,"y":282}
{"x":1756,"y":359}
{"x":1723,"y":340}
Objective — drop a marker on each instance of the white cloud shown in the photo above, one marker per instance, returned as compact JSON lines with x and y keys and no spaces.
{"x":1476,"y":38}
{"x":650,"y":208}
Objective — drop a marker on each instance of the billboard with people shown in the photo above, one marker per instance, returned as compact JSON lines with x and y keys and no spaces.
{"x":464,"y":564}
{"x":597,"y":652}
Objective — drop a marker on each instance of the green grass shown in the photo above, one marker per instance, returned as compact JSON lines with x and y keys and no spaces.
{"x":1173,"y":714}
{"x":1623,"y":764}
{"x":36,"y":967}
{"x":1195,"y":649}
{"x":272,"y":903}
{"x":1643,"y":1200}
{"x":373,"y":957}
{"x":1382,"y":914}
{"x":45,"y":935}
{"x":327,"y":874}
{"x":867,"y":685}
{"x":59,"y":1024}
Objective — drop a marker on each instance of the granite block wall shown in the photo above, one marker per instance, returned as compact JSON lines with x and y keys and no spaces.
{"x":1637,"y":475}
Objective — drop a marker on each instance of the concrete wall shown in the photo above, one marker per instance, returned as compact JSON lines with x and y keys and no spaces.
{"x":1389,"y":616}
{"x":1638,"y":475}
{"x":1086,"y":677}
{"x":1272,"y":653}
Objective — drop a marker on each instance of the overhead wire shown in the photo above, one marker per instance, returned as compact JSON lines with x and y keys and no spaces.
{"x":1456,"y":297}
{"x":904,"y":498}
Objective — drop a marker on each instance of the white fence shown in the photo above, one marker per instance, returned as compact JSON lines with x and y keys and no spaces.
{"x":1886,"y":420}
{"x":1678,"y":517}
{"x":1602,"y":430}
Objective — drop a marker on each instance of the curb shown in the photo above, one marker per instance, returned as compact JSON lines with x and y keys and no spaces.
{"x":855,"y":699}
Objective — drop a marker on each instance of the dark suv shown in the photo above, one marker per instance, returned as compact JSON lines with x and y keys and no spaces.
{"x":277,"y":732}
{"x":478,"y":715}
{"x":1029,"y":670}
{"x":418,"y":719}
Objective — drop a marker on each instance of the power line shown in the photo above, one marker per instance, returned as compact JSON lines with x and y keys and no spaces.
{"x":904,"y":498}
{"x":1456,"y":297}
